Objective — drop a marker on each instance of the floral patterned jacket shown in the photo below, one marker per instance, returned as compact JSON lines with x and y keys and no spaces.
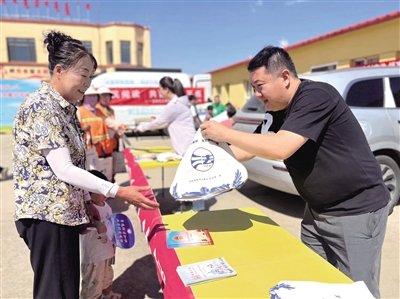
{"x":45,"y":120}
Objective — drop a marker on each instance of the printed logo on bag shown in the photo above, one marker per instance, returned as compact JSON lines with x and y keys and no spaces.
{"x":202,"y":159}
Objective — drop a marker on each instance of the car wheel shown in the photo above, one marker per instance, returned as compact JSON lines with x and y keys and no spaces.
{"x":391,"y":178}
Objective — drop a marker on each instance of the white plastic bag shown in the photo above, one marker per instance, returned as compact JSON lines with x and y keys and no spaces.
{"x":208,"y":169}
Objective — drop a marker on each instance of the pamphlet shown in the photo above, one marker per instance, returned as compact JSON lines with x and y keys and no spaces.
{"x":205,"y":271}
{"x":184,"y":238}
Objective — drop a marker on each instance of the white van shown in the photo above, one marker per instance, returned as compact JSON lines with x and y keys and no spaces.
{"x":136,"y":96}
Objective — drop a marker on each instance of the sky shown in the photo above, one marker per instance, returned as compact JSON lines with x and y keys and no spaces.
{"x":201,"y":36}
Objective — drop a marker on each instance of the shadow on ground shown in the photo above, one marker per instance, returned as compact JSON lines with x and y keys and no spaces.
{"x":139,"y":280}
{"x":275,"y":200}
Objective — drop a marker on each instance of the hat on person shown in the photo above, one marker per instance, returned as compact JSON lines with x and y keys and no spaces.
{"x":103,"y":90}
{"x":91,"y":91}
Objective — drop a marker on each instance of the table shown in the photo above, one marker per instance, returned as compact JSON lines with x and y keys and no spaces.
{"x":259,"y":250}
{"x":149,"y":164}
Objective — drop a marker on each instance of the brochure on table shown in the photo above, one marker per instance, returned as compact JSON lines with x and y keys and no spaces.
{"x":205,"y":271}
{"x":185,"y":238}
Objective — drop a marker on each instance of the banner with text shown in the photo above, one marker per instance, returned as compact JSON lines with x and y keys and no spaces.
{"x":147,"y":96}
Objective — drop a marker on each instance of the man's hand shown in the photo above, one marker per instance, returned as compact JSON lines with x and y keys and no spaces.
{"x":93,"y":213}
{"x":133,"y":196}
{"x":214,"y":130}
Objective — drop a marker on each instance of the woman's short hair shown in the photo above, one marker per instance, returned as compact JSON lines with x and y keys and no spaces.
{"x":65,"y":51}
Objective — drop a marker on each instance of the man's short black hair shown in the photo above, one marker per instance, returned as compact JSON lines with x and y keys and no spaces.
{"x":274,"y":59}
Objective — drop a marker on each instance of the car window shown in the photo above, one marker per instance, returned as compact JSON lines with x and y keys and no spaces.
{"x":253,"y":105}
{"x":367,"y":93}
{"x":395,"y":86}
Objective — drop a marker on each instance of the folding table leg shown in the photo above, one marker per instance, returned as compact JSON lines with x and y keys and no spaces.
{"x":162,"y":179}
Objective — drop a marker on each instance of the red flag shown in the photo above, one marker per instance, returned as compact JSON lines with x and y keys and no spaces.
{"x":15,"y":1}
{"x":56,"y":7}
{"x":26,"y":5}
{"x":87,"y":6}
{"x":37,"y":3}
{"x":46,"y":3}
{"x":3,"y":1}
{"x":67,"y":12}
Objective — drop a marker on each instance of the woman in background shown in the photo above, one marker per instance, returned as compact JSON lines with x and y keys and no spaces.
{"x":178,"y":117}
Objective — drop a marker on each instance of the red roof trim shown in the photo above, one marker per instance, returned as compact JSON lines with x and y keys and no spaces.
{"x":74,"y":23}
{"x":229,"y":66}
{"x":358,"y":26}
{"x":364,"y":24}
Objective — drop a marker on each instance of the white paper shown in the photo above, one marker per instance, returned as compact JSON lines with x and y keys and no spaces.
{"x":319,"y":290}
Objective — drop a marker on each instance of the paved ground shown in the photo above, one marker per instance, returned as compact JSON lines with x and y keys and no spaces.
{"x":135,"y":274}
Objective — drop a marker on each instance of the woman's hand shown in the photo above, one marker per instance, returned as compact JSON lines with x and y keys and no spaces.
{"x":133,"y":195}
{"x":93,"y":213}
{"x":139,"y":128}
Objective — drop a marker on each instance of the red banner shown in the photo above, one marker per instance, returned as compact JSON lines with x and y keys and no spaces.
{"x":46,"y":3}
{"x":153,"y":227}
{"x":26,"y":5}
{"x":383,"y":63}
{"x":37,"y":4}
{"x":143,"y":96}
{"x":87,"y":6}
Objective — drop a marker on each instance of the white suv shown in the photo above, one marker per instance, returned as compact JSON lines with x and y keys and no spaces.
{"x":373,"y":93}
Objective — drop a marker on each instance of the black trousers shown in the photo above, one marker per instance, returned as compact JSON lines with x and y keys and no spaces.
{"x":54,"y":258}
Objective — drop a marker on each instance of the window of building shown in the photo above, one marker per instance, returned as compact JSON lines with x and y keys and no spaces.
{"x":249,"y":90}
{"x":21,"y":49}
{"x":365,"y":60}
{"x":323,"y":68}
{"x":367,"y":93}
{"x":109,"y":49}
{"x":139,"y":54}
{"x":227,"y":92}
{"x":126,"y":52}
{"x":88,"y":45}
{"x":395,"y":86}
{"x":218,"y":88}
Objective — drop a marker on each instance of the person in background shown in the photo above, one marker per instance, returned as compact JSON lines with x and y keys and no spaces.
{"x":50,"y":184}
{"x":178,"y":117}
{"x":98,"y":126}
{"x":195,"y":113}
{"x":209,"y":114}
{"x":97,"y":252}
{"x":95,"y":126}
{"x":328,"y":157}
{"x":218,"y":107}
{"x":3,"y":172}
{"x":105,"y":111}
